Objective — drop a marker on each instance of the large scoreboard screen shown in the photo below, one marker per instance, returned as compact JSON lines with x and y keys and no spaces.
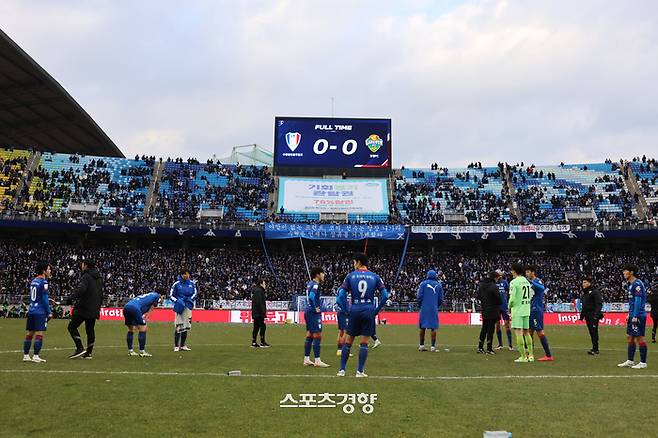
{"x":332,"y":143}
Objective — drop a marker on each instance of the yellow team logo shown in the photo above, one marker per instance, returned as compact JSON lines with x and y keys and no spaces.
{"x":374,"y":142}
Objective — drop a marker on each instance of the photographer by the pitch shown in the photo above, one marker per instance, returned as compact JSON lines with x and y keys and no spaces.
{"x":591,"y":312}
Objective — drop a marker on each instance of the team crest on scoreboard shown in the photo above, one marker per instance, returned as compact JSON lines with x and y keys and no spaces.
{"x":374,"y":142}
{"x":293,"y":139}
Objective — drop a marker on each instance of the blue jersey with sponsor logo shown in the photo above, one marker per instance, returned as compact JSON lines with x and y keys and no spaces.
{"x":637,"y":299}
{"x":39,"y":297}
{"x":363,"y":285}
{"x":537,"y":301}
{"x":312,"y":296}
{"x":503,"y":289}
{"x":144,"y":302}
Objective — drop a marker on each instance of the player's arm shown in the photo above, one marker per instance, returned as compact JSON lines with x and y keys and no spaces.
{"x":512,"y":292}
{"x":538,"y":285}
{"x":45,"y":302}
{"x":173,"y":292}
{"x":311,"y":298}
{"x":419,"y":294}
{"x":196,"y":291}
{"x":383,"y":293}
{"x":341,"y":299}
{"x":79,"y":290}
{"x":636,"y":307}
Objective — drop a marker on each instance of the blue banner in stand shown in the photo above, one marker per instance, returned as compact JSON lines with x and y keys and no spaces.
{"x":334,"y":232}
{"x":130,"y":230}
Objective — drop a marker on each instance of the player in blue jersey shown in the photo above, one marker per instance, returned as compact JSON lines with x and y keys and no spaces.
{"x":429,"y":297}
{"x":183,"y":294}
{"x":637,"y":319}
{"x":362,"y":284}
{"x":503,"y":288}
{"x":135,"y":315}
{"x":38,"y":313}
{"x":313,"y":318}
{"x":537,"y":311}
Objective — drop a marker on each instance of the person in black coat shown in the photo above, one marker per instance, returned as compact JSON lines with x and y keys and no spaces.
{"x":86,"y":299}
{"x":591,"y":312}
{"x":490,"y":302}
{"x":258,"y":313}
{"x":653,"y":300}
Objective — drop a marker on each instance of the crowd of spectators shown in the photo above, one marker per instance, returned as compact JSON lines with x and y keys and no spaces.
{"x":228,"y":272}
{"x":11,"y":170}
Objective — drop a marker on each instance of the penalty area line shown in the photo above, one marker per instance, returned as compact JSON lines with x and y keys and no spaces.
{"x":324,"y":376}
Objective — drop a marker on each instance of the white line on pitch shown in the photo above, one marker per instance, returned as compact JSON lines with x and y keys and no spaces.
{"x":323,"y":376}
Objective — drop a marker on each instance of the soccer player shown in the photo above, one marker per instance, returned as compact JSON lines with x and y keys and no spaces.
{"x":38,"y":313}
{"x":652,"y":298}
{"x":637,"y":318}
{"x":135,"y":314}
{"x":537,"y":311}
{"x":183,"y":294}
{"x":520,"y":293}
{"x":313,"y":317}
{"x":362,"y":284}
{"x":503,"y":288}
{"x":430,"y":298}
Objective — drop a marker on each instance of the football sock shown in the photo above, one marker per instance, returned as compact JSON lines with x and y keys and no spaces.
{"x":177,"y":339}
{"x":421,"y":337}
{"x":363,"y":355}
{"x":643,"y":351}
{"x":27,"y":344}
{"x":529,"y":346}
{"x":520,"y":345}
{"x":345,"y":354}
{"x":129,"y":339}
{"x":544,"y":343}
{"x":307,"y":346}
{"x":499,"y":335}
{"x":38,"y":342}
{"x":183,"y":339}
{"x":141,"y":336}
{"x":316,"y":347}
{"x":339,"y":346}
{"x":433,"y":338}
{"x":509,"y":336}
{"x":631,"y":350}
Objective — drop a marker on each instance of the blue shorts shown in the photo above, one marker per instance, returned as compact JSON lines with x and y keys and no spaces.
{"x":343,"y":320}
{"x":638,"y":329}
{"x":313,"y":321}
{"x":36,"y":323}
{"x":361,"y":322}
{"x":504,"y":315}
{"x":536,"y":321}
{"x":133,"y":316}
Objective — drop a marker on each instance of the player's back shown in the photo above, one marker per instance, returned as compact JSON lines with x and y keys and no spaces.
{"x":145,"y":301}
{"x":38,"y":297}
{"x":520,"y":294}
{"x":363,"y":284}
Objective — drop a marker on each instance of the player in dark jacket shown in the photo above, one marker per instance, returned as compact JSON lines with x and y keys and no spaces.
{"x":86,"y":300}
{"x":592,"y":304}
{"x":258,"y":313}
{"x":490,"y":302}
{"x":653,"y":300}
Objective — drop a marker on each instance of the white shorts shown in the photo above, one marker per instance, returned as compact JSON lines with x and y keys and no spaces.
{"x":183,"y":321}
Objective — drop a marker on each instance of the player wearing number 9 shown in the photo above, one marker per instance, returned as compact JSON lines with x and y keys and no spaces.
{"x":38,"y":314}
{"x":362,"y":284}
{"x":520,"y":294}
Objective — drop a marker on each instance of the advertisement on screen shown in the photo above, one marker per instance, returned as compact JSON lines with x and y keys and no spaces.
{"x":314,"y":195}
{"x":332,"y":142}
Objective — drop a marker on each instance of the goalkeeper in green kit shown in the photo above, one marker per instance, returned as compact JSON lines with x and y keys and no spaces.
{"x":520,"y":294}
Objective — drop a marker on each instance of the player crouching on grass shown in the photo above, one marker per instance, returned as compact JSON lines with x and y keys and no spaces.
{"x":637,"y":318}
{"x":520,"y":293}
{"x":430,"y":298}
{"x":313,"y":317}
{"x":38,"y":314}
{"x":183,"y":293}
{"x":135,"y":314}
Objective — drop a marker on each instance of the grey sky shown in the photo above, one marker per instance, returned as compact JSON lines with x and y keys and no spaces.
{"x":539,"y":81}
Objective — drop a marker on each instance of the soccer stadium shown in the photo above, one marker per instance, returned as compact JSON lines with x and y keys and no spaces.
{"x":238,"y":289}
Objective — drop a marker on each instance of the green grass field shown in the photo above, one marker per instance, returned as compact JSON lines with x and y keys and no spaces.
{"x":455,"y":393}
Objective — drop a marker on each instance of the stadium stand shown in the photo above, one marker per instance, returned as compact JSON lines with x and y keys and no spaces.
{"x":12,"y":166}
{"x":646,"y":173}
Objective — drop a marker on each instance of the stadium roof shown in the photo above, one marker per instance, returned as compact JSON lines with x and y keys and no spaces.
{"x":37,"y":112}
{"x":251,"y":154}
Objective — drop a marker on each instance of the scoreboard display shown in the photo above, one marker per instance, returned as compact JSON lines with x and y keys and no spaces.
{"x":332,"y":143}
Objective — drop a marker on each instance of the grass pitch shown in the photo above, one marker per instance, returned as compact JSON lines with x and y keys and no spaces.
{"x":455,"y":393}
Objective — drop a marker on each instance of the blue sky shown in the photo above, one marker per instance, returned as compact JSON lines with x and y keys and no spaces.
{"x":537,"y":81}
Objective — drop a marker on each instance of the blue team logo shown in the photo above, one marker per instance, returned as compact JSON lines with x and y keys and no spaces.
{"x":293,"y":139}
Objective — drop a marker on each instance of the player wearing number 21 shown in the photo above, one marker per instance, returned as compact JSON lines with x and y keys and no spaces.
{"x":363,"y":285}
{"x":520,"y":294}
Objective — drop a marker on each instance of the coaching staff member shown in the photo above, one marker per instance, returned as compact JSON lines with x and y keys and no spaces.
{"x":86,"y":300}
{"x":258,"y":312}
{"x":490,"y":302}
{"x":592,"y":304}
